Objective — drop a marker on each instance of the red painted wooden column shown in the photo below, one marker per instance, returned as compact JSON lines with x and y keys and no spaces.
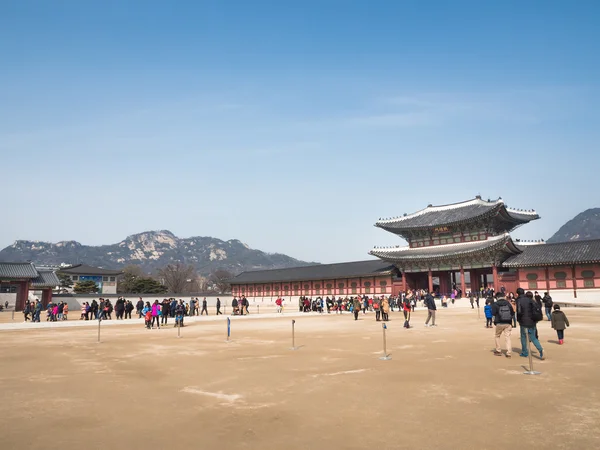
{"x":22,"y":295}
{"x":574,"y":283}
{"x":495,"y":278}
{"x":403,"y":281}
{"x":463,"y":284}
{"x":547,"y":280}
{"x":430,"y":280}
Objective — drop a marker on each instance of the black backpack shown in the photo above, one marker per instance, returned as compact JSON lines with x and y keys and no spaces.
{"x":504,"y":313}
{"x":536,"y":312}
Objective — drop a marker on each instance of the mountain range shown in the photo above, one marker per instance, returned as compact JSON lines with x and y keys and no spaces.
{"x":155,"y":249}
{"x":585,"y":225}
{"x":152,"y":250}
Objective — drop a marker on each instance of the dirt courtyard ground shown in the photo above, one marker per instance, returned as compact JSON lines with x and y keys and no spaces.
{"x":442,"y":389}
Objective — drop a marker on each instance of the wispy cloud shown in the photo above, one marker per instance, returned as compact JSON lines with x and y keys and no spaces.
{"x":394,"y":120}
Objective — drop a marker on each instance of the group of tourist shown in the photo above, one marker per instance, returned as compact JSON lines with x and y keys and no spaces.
{"x":54,"y":311}
{"x":504,"y":311}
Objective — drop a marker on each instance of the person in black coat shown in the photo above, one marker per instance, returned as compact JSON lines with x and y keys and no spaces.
{"x":120,"y":308}
{"x":525,"y":305}
{"x":431,"y":308}
{"x":547,"y":300}
{"x":128,"y":309}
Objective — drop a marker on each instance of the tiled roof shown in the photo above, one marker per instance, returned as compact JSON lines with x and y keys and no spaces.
{"x":9,"y":270}
{"x":396,"y":254}
{"x":574,"y":252}
{"x":433,"y":216}
{"x":84,"y":269}
{"x":372,"y":267}
{"x":45,"y":279}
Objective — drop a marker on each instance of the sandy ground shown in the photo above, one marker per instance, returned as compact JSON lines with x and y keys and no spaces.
{"x":443,"y":388}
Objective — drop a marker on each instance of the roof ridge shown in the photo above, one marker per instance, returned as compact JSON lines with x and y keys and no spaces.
{"x":449,"y":206}
{"x":310,"y":265}
{"x":15,"y":263}
{"x":572,"y":242}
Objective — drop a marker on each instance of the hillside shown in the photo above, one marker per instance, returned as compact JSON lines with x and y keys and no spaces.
{"x":152,"y":250}
{"x":585,"y":225}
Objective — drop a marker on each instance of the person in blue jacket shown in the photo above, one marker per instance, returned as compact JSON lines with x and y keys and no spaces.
{"x":487,"y":310}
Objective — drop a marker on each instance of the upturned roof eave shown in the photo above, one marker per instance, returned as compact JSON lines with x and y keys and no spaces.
{"x":506,"y":242}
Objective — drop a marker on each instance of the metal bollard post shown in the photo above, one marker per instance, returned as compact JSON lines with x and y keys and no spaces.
{"x":385,"y":356}
{"x":530,"y":371}
{"x":293,"y":335}
{"x":228,"y":329}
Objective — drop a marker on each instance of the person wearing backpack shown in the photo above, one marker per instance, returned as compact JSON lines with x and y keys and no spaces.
{"x":528,"y":314}
{"x":559,"y":323}
{"x":503,"y":315}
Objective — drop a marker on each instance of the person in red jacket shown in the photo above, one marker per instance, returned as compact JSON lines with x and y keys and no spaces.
{"x":406,"y":308}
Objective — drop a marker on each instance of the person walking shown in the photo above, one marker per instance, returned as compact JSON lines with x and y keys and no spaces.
{"x":128,"y":309}
{"x":431,"y":308}
{"x":156,"y":314}
{"x":503,"y":314}
{"x":179,"y":312}
{"x":165,"y":311}
{"x":27,"y":311}
{"x":356,"y":307}
{"x":120,"y":308}
{"x":527,"y":317}
{"x":547,"y":301}
{"x":204,"y":307}
{"x":219,"y":306}
{"x":385,"y":309}
{"x":487,"y":310}
{"x":406,"y":308}
{"x":559,"y":323}
{"x":377,"y":308}
{"x":138,"y":307}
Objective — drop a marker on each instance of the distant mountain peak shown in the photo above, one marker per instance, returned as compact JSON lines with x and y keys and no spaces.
{"x":151,"y":250}
{"x":583,"y":226}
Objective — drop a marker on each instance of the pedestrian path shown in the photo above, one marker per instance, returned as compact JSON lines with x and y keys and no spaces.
{"x":135,"y":321}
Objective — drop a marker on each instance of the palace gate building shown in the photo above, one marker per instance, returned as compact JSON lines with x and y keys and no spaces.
{"x":465,"y":245}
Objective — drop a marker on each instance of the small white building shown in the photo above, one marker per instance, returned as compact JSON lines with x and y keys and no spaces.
{"x":105,"y":279}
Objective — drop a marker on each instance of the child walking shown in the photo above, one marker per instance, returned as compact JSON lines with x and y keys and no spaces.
{"x":487,"y":309}
{"x":559,"y":323}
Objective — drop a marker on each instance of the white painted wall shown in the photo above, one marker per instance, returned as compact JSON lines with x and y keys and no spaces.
{"x":12,"y":298}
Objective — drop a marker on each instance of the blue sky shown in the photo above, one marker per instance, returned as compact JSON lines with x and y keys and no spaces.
{"x":292,"y":126}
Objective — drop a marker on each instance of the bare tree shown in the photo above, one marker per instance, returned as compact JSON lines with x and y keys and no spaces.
{"x":221,"y":278}
{"x":198,"y":284}
{"x":177,"y":277}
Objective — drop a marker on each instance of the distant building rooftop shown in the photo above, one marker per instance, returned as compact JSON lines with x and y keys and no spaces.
{"x":573,"y":252}
{"x":353,"y":269}
{"x":84,"y":269}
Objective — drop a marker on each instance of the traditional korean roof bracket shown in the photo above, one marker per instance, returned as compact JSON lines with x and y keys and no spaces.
{"x":459,"y":217}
